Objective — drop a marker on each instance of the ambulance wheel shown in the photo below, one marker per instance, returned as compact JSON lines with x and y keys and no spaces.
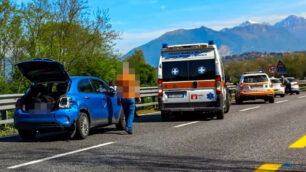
{"x":165,"y":116}
{"x":220,"y":114}
{"x":282,"y":95}
{"x":227,"y":104}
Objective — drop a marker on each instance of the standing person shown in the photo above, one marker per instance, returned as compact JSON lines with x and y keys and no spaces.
{"x":112,"y":85}
{"x":128,"y":89}
{"x":286,"y":83}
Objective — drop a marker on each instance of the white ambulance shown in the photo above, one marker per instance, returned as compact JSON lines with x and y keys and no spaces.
{"x":191,"y":78}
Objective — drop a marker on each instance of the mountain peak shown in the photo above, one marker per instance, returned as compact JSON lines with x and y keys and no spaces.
{"x":248,"y":22}
{"x":291,"y":21}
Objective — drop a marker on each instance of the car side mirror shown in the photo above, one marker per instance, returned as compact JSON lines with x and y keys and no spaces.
{"x":111,"y":92}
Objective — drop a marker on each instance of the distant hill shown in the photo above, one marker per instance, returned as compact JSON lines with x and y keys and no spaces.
{"x":286,"y":35}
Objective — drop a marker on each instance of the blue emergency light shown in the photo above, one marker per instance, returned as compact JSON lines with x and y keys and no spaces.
{"x":165,"y":46}
{"x":210,"y":42}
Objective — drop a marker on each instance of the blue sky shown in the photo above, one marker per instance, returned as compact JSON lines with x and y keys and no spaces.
{"x":140,"y":21}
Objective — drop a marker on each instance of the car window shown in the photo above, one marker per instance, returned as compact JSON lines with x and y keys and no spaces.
{"x":292,"y":79}
{"x":275,"y":81}
{"x":85,"y":86}
{"x":255,"y":78}
{"x":99,"y":86}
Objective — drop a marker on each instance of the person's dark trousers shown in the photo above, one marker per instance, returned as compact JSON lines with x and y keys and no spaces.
{"x":289,"y":88}
{"x":129,"y":110}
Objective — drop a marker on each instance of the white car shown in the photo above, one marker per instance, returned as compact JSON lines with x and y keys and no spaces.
{"x":279,"y":88}
{"x":295,"y":88}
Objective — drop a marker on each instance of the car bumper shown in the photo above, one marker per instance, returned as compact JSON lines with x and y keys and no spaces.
{"x":53,"y":121}
{"x":192,"y":106}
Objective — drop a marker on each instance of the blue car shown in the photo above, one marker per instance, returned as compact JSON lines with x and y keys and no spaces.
{"x":57,"y":102}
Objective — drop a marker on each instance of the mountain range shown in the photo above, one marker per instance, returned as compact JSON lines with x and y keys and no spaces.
{"x":286,"y":35}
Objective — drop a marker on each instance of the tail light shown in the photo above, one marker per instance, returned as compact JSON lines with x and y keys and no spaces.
{"x":282,"y":85}
{"x":218,"y":85}
{"x":271,"y":84}
{"x":241,"y":85}
{"x":64,"y":102}
{"x":18,"y":104}
{"x":296,"y":83}
{"x":160,"y":87}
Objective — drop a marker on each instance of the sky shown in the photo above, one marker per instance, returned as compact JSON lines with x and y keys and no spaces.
{"x":140,"y":21}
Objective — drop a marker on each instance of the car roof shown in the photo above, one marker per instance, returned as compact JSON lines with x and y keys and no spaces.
{"x":254,"y":74}
{"x":77,"y":78}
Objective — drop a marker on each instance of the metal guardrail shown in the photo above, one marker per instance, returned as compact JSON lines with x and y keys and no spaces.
{"x":7,"y":102}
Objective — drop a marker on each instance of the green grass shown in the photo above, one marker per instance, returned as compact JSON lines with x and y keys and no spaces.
{"x":8,"y":130}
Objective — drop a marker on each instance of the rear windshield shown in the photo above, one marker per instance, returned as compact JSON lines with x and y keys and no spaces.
{"x":275,"y":81}
{"x":292,"y":79}
{"x":254,"y":79}
{"x":189,"y":70}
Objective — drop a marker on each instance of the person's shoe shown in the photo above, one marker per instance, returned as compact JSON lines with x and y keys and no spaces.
{"x":129,"y":131}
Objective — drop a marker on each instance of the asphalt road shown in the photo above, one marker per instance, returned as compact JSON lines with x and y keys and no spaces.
{"x":254,"y":135}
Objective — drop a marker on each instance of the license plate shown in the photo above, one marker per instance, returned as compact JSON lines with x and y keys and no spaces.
{"x":175,"y":95}
{"x":256,"y":87}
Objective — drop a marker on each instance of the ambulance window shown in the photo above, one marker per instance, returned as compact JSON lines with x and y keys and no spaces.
{"x":254,"y":79}
{"x":175,"y":71}
{"x":202,"y":69}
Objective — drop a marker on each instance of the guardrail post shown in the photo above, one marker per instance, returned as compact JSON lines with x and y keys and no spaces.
{"x":4,"y":116}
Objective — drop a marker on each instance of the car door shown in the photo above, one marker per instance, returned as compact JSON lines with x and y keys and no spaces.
{"x":101,"y":100}
{"x":90,"y":100}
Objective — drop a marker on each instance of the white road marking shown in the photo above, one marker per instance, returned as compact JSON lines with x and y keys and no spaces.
{"x":282,"y":101}
{"x":59,"y":155}
{"x":182,"y":125}
{"x":302,"y":97}
{"x":242,"y":110}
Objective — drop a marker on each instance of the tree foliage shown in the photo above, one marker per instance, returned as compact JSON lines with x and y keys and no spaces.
{"x":144,"y":72}
{"x":295,"y":64}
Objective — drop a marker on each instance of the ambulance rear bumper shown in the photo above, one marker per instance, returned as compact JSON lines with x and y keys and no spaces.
{"x":192,"y":106}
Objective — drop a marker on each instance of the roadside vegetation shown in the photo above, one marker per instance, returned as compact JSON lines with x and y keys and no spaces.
{"x":67,"y":31}
{"x":295,"y":64}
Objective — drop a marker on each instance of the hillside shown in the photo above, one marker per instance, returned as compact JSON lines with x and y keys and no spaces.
{"x":286,"y":35}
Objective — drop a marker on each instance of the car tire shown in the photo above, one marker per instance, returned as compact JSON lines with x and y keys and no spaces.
{"x":82,"y":126}
{"x":271,"y":99}
{"x":220,"y":114}
{"x":27,"y":135}
{"x":227,"y":104}
{"x":238,"y":101}
{"x":165,"y":116}
{"x":297,"y":92}
{"x":121,"y":123}
{"x":282,"y":95}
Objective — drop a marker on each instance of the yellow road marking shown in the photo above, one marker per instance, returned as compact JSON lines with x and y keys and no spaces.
{"x":301,"y":143}
{"x":268,"y":167}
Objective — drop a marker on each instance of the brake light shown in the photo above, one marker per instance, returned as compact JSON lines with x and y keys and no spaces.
{"x":282,"y":85}
{"x":160,"y":87}
{"x":64,"y":102}
{"x":241,"y":85}
{"x":271,"y":84}
{"x":296,"y":83}
{"x":18,"y":104}
{"x":218,"y":85}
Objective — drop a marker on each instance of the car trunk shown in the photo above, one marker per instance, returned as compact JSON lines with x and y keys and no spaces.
{"x":50,"y":82}
{"x":44,"y":97}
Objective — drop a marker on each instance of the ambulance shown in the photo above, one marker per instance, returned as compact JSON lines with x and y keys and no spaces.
{"x":191,"y":78}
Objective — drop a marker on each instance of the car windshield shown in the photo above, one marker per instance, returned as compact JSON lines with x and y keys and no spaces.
{"x":275,"y":81}
{"x":254,"y":79}
{"x":292,"y":79}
